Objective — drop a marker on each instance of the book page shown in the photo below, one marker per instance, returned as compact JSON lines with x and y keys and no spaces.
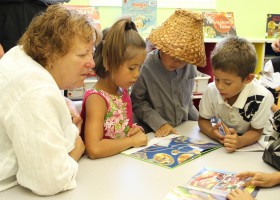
{"x":253,"y":147}
{"x":218,"y":182}
{"x":172,"y":151}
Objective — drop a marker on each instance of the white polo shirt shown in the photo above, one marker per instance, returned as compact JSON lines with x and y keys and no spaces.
{"x":252,"y":107}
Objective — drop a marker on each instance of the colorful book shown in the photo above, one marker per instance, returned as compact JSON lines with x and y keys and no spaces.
{"x":218,"y":182}
{"x":143,"y":14}
{"x":172,"y":151}
{"x":273,"y":26}
{"x":218,"y":24}
{"x":90,"y":11}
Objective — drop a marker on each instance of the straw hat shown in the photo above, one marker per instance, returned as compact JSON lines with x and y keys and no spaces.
{"x":181,"y":36}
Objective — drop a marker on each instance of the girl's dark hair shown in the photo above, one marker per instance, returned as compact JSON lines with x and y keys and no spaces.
{"x":98,"y":59}
{"x":121,"y":42}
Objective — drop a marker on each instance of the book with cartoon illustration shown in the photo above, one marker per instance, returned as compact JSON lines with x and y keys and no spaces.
{"x":218,"y":182}
{"x":273,"y":26}
{"x":218,"y":24}
{"x":172,"y":151}
{"x":143,"y":14}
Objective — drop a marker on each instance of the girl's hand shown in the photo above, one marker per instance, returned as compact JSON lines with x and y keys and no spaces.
{"x":134,"y":129}
{"x":139,"y":139}
{"x":261,"y":179}
{"x":165,"y":130}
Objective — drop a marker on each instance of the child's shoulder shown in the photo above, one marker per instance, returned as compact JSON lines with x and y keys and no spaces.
{"x":258,"y":88}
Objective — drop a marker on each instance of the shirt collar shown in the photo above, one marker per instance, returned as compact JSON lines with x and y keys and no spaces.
{"x":242,"y":97}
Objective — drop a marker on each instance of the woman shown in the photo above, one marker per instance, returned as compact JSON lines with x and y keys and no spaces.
{"x":39,"y":144}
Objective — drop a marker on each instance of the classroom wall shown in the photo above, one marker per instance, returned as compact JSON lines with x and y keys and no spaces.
{"x":250,"y":15}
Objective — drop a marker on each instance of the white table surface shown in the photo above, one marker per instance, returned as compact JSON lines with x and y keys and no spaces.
{"x":124,"y":178}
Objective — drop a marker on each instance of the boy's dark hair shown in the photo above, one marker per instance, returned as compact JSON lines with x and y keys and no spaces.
{"x":234,"y":55}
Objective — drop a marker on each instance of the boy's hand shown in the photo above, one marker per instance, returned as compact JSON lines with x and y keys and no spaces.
{"x":165,"y":130}
{"x":231,"y":141}
{"x":215,"y":133}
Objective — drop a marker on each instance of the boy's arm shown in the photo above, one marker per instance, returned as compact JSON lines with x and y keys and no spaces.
{"x":249,"y":137}
{"x":211,"y":131}
{"x":142,"y":107}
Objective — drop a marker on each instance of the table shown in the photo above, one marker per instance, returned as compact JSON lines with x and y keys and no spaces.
{"x":124,"y":178}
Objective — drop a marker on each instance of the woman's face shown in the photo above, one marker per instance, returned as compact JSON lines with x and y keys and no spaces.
{"x":71,"y":70}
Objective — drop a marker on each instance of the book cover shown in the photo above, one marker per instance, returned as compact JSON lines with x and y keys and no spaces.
{"x":218,"y":182}
{"x":273,"y":26}
{"x":89,"y":10}
{"x":218,"y":24}
{"x":143,"y":14}
{"x":173,"y":151}
{"x":183,"y":193}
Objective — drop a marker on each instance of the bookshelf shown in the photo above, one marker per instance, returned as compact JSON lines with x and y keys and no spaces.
{"x":260,"y":44}
{"x":263,"y":53}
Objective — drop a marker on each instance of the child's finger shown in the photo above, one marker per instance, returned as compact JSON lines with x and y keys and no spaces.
{"x":226,"y":129}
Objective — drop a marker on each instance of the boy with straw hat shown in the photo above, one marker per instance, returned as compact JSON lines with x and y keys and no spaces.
{"x":162,"y":96}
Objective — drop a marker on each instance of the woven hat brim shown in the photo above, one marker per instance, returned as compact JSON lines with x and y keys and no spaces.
{"x":181,"y":36}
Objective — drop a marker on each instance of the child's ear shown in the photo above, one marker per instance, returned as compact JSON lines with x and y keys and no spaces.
{"x":106,"y":68}
{"x":249,"y":78}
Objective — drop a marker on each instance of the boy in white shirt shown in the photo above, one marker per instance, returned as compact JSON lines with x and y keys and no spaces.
{"x":235,"y":98}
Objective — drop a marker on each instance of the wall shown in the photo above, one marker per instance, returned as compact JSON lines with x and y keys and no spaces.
{"x":250,"y":15}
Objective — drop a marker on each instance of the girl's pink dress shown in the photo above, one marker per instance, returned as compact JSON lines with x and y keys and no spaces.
{"x":118,"y":118}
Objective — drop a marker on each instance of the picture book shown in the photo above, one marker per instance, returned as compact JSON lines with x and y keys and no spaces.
{"x":183,"y":193}
{"x":218,"y":182}
{"x":218,"y":24}
{"x":172,"y":151}
{"x":143,"y":14}
{"x":89,"y":10}
{"x":273,"y":26}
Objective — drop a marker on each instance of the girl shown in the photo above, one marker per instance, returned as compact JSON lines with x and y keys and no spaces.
{"x":106,"y":109}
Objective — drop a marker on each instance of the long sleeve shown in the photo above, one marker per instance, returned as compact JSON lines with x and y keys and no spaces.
{"x":42,"y":135}
{"x":36,"y":130}
{"x":160,"y":96}
{"x":143,"y":107}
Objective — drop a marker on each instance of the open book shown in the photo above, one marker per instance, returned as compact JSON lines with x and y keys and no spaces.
{"x":209,"y":184}
{"x":218,"y":182}
{"x":172,"y":151}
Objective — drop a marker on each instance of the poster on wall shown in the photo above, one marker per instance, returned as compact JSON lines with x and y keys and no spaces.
{"x":273,"y":26}
{"x":218,"y":24}
{"x":200,"y":4}
{"x":91,"y":11}
{"x":143,"y":14}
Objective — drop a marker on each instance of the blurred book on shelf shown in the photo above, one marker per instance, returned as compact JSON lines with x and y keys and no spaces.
{"x":89,"y":10}
{"x":143,"y":14}
{"x":218,"y":24}
{"x":273,"y":26}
